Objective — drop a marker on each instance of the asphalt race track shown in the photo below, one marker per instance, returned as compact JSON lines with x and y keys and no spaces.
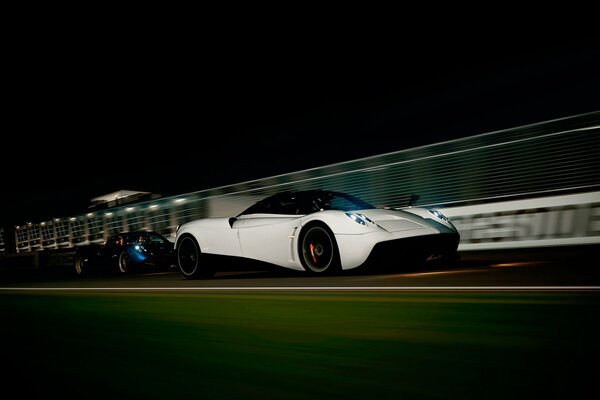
{"x":561,"y":267}
{"x":496,"y":325}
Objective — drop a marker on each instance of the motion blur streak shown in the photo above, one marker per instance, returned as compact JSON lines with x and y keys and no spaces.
{"x":298,"y":288}
{"x":516,"y":264}
{"x":442,"y":272}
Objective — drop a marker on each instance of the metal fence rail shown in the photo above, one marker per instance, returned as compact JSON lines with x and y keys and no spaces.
{"x":548,"y":158}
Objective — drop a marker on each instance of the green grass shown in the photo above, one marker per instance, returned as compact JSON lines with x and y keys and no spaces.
{"x":300,"y":345}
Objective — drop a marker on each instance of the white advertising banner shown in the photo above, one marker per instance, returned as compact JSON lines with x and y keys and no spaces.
{"x":546,"y":221}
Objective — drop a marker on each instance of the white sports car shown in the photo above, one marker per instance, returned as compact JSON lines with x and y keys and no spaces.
{"x":317,"y":231}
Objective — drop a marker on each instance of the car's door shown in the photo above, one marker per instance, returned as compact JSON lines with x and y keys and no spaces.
{"x":109,"y":252}
{"x":267,"y":237}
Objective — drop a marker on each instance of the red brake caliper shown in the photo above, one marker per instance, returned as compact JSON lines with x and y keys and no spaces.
{"x":312,"y":253}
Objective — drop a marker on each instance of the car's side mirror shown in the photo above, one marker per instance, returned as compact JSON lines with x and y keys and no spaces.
{"x":413,"y":199}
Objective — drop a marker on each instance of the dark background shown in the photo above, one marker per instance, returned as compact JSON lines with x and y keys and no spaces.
{"x":155,"y":116}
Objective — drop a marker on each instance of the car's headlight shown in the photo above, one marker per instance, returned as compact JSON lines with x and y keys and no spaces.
{"x":140,"y":248}
{"x":438,"y":214}
{"x":359,"y":218}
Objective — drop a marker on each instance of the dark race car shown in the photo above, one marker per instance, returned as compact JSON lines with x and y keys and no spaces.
{"x":126,"y":252}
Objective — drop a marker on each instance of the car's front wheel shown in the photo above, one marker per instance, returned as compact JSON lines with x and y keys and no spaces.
{"x":124,"y":263}
{"x":190,"y":260}
{"x":319,"y":253}
{"x":79,"y":264}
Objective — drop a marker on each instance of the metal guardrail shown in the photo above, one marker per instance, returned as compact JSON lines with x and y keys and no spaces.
{"x":549,"y":158}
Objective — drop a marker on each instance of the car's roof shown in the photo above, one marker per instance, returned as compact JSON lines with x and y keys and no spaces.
{"x":134,"y":233}
{"x":307,"y":192}
{"x":300,"y":202}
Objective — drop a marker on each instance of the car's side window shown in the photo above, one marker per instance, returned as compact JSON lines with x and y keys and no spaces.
{"x":111,"y":242}
{"x":285,"y":205}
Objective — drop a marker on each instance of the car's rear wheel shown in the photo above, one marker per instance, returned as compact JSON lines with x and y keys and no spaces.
{"x":319,"y":253}
{"x":124,"y":263}
{"x":190,"y":260}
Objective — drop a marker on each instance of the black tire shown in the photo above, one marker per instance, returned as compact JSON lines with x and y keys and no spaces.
{"x":318,"y":250}
{"x":190,"y":259}
{"x":124,"y":263}
{"x":80,"y":265}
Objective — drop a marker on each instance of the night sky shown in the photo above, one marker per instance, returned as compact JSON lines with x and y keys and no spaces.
{"x":172,"y":120}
